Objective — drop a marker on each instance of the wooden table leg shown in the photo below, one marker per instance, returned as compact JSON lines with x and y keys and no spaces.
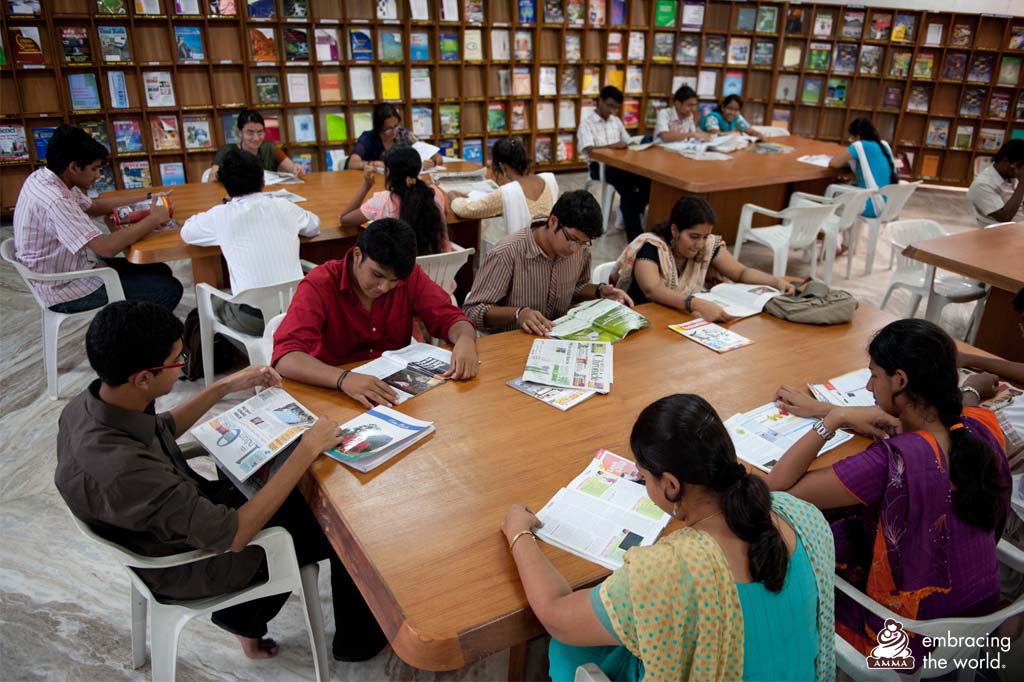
{"x":999,"y":330}
{"x":517,"y":662}
{"x":209,"y":270}
{"x":727,"y":205}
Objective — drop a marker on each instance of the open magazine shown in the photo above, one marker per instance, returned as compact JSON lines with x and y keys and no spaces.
{"x":562,"y":398}
{"x":598,"y":320}
{"x":245,"y":437}
{"x":846,"y":390}
{"x":709,"y":334}
{"x":604,"y":512}
{"x":570,"y":364}
{"x":285,"y":194}
{"x":740,"y":300}
{"x":376,"y":436}
{"x":763,"y":435}
{"x":411,"y":370}
{"x":280,"y":178}
{"x":475,"y":186}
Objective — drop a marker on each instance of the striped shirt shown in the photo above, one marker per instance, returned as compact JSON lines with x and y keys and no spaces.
{"x":668,"y":121}
{"x":599,"y":132}
{"x":517,"y":273}
{"x":51,"y":230}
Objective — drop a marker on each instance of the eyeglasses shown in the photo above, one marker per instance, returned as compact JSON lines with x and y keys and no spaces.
{"x":182,"y":356}
{"x":573,"y":240}
{"x":389,"y":129}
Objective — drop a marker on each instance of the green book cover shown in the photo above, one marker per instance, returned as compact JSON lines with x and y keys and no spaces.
{"x":818,"y":57}
{"x":111,"y":7}
{"x":812,"y":91}
{"x":337,"y":127}
{"x":665,"y":13}
{"x":496,"y":117}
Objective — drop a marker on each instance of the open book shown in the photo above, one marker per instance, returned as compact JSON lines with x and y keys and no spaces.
{"x":376,"y":436}
{"x":598,"y":320}
{"x":709,"y":334}
{"x":570,"y":364}
{"x":562,"y":398}
{"x":740,"y":300}
{"x":411,"y":370}
{"x":425,"y":150}
{"x":763,"y":435}
{"x":602,"y":513}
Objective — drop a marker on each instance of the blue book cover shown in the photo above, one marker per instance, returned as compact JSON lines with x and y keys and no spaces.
{"x":473,"y":150}
{"x":732,"y":85}
{"x":419,"y":48}
{"x":360,"y":45}
{"x":229,"y":122}
{"x":172,"y":173}
{"x":391,"y":46}
{"x":305,"y":160}
{"x":527,"y":11}
{"x":618,"y":13}
{"x":449,"y":148}
{"x":41,"y":138}
{"x":188,"y":44}
{"x":260,"y":9}
{"x":450,"y":47}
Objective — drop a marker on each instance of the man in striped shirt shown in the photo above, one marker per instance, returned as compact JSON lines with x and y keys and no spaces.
{"x":53,"y":232}
{"x":534,"y":275}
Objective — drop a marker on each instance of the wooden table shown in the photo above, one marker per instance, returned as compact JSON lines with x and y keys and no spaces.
{"x":763,"y":179}
{"x":420,"y":534}
{"x":326,"y":194}
{"x":994,"y":256}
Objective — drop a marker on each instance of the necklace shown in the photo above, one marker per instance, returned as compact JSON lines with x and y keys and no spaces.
{"x":694,"y":524}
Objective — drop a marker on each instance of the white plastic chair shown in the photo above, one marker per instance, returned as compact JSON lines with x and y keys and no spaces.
{"x":921,"y":279}
{"x":607,"y":194}
{"x":206,"y":175}
{"x":853,"y":663}
{"x":168,"y":618}
{"x":849,"y":205}
{"x":602,"y":273}
{"x":272,"y":300}
{"x":589,"y":672}
{"x":268,"y":335}
{"x":52,"y":320}
{"x":442,"y":267}
{"x":798,"y":228}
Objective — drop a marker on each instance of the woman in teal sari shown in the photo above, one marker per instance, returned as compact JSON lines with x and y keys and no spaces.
{"x":743,"y":589}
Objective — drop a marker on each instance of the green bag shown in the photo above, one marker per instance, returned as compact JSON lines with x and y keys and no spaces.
{"x":814,"y":303}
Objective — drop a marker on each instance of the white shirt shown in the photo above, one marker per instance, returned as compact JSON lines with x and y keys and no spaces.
{"x":989,"y":192}
{"x":258,"y":235}
{"x":669,"y":122}
{"x":598,"y":132}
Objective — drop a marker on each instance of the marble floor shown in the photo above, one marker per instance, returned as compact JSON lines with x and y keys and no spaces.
{"x":64,"y":603}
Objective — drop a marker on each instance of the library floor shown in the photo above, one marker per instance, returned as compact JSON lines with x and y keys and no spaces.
{"x":64,"y":603}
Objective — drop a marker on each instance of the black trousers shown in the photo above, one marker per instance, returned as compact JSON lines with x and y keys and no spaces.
{"x":634,"y":193}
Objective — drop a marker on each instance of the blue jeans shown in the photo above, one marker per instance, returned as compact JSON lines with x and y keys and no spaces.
{"x":151,"y":282}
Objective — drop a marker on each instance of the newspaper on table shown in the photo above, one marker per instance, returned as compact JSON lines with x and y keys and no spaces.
{"x":740,"y":300}
{"x":411,"y":370}
{"x":247,"y":436}
{"x":561,"y":398}
{"x":761,"y":436}
{"x":846,"y":390}
{"x":602,"y":513}
{"x":376,"y":436}
{"x":285,"y":194}
{"x":599,"y":320}
{"x":280,"y":178}
{"x":730,"y":143}
{"x":571,"y":364}
{"x":709,"y":334}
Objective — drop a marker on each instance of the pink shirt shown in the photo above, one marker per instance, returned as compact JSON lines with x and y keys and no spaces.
{"x":387,"y":205}
{"x":51,"y":230}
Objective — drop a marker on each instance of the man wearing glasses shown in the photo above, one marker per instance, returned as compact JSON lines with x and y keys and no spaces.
{"x":533,"y":276}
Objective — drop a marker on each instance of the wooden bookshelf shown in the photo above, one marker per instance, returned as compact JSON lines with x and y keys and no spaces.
{"x":226,"y":79}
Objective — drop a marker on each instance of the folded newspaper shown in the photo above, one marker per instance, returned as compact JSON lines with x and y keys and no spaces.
{"x":709,"y":334}
{"x":376,"y":436}
{"x":561,"y":398}
{"x":740,"y":300}
{"x":571,"y":364}
{"x":280,"y":178}
{"x":598,"y":320}
{"x":602,"y":513}
{"x":763,"y":435}
{"x":411,"y":370}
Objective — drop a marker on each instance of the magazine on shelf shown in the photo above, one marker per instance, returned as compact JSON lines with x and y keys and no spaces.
{"x":709,"y":334}
{"x":571,"y":364}
{"x":761,"y":436}
{"x":602,"y":513}
{"x":598,"y":320}
{"x":411,"y":370}
{"x":561,"y":398}
{"x":376,"y":436}
{"x":740,"y":300}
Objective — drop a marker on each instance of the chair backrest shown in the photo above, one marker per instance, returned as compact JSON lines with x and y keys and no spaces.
{"x":806,"y":222}
{"x":272,"y":299}
{"x":896,"y":197}
{"x":268,"y":335}
{"x":849,"y":206}
{"x":903,"y":233}
{"x":603,"y":272}
{"x":206,"y":174}
{"x":441,"y":267}
{"x":132,"y":560}
{"x":7,"y":253}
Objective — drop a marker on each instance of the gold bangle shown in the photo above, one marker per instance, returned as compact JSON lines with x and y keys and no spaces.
{"x":520,"y":534}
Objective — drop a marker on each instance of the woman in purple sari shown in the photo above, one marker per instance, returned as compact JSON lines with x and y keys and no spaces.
{"x":918,"y":514}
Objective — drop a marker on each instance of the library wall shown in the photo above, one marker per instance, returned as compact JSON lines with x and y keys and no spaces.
{"x":160,"y":82}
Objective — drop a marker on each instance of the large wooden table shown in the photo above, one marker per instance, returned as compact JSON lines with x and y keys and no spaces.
{"x":326,"y":194}
{"x":763,"y":179}
{"x":420,"y":534}
{"x":994,"y":256}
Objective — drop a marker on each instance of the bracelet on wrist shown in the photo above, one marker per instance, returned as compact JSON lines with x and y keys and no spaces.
{"x":519,"y":310}
{"x":688,"y":304}
{"x":341,"y":380}
{"x":971,"y":389}
{"x":822,"y":430}
{"x":518,"y":535}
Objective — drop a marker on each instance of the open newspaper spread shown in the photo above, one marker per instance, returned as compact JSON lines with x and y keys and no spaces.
{"x":598,"y":320}
{"x":376,"y":436}
{"x":411,"y":370}
{"x":763,"y":435}
{"x":740,"y":300}
{"x":571,"y":364}
{"x":602,"y":513}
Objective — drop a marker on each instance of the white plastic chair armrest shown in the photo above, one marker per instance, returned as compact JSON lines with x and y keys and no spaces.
{"x":203,"y":289}
{"x":810,"y":197}
{"x":749,"y":210}
{"x":268,"y":538}
{"x":115,"y":292}
{"x":307,"y":266}
{"x":839,"y":188}
{"x":600,"y":171}
{"x":1011,"y":555}
{"x":867,"y":602}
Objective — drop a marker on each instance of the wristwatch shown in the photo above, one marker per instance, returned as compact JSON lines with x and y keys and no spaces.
{"x":826,"y":433}
{"x":602,"y":284}
{"x":971,"y":389}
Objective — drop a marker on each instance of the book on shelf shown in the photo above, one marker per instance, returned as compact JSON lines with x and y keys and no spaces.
{"x":575,"y":12}
{"x":746,"y":19}
{"x":25,"y":7}
{"x":390,"y":85}
{"x":527,"y":11}
{"x":419,"y":46}
{"x":164,"y":129}
{"x":899,"y":67}
{"x":296,"y":44}
{"x":615,"y":77}
{"x":500,"y":45}
{"x":411,"y":370}
{"x":262,"y":44}
{"x":329,"y":85}
{"x":118,"y":90}
{"x":188,"y":44}
{"x":999,"y":105}
{"x":661,"y":49}
{"x":871,"y":60}
{"x":104,"y":183}
{"x":473,"y":11}
{"x":933,"y":35}
{"x":1018,"y":114}
{"x":327,"y":48}
{"x":542,"y":149}
{"x":449,"y":43}
{"x":98,"y":131}
{"x":272,"y":133}
{"x":591,"y":80}
{"x":569,"y":83}
{"x":637,"y":46}
{"x":964,"y":137}
{"x":111,"y":7}
{"x":419,"y":84}
{"x":41,"y":140}
{"x":903,"y":28}
{"x":553,"y":13}
{"x":791,"y":57}
{"x":881,"y":26}
{"x":664,"y":13}
{"x":449,"y":117}
{"x":853,"y":24}
{"x":892,"y":96}
{"x":764,"y":53}
{"x":767,"y":18}
{"x":172,"y":173}
{"x":521,"y":81}
{"x":972,"y":101}
{"x":260,"y":9}
{"x":303,"y":160}
{"x":449,"y":149}
{"x":844,"y":58}
{"x":229,"y":124}
{"x":222,"y":8}
{"x":955,"y":66}
{"x":423,"y":121}
{"x":517,"y":117}
{"x":714,"y":50}
{"x":835,"y":92}
{"x":732,"y":84}
{"x":360,"y":44}
{"x":299,"y":9}
{"x":710,"y":335}
{"x":781,"y":117}
{"x":919,"y":98}
{"x":937,"y":134}
{"x":631,"y":112}
{"x":818,"y":55}
{"x":361,"y":122}
{"x":136,"y":174}
{"x":990,"y":139}
{"x":26,"y":45}
{"x":186,"y":8}
{"x":739,"y":51}
{"x":13,"y":143}
{"x":74,"y":42}
{"x":930,"y":165}
{"x":298,"y":87}
{"x":567,"y":114}
{"x":1016,"y":41}
{"x":598,"y":320}
{"x":570,"y":364}
{"x":268,"y":89}
{"x":823,"y":24}
{"x":473,"y":39}
{"x":449,"y":10}
{"x":418,"y":10}
{"x":687,"y":47}
{"x":961,"y":35}
{"x":614,"y":49}
{"x":361,"y":82}
{"x":981,"y":68}
{"x":596,"y":12}
{"x":634,"y":79}
{"x":473,"y":151}
{"x":707,"y":83}
{"x":565,"y":148}
{"x":1009,"y":70}
{"x":602,"y":513}
{"x":336,"y":126}
{"x":762,"y":435}
{"x":811,"y":93}
{"x":573,"y":51}
{"x":548,"y":81}
{"x":924,"y":65}
{"x":114,"y":43}
{"x":794,"y":19}
{"x":692,"y":17}
{"x":84,"y":92}
{"x":196,"y":131}
{"x":786,"y":87}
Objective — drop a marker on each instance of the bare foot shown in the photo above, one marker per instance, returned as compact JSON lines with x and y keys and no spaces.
{"x":258,"y":648}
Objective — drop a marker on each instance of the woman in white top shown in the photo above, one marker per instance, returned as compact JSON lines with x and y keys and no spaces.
{"x":522,"y":198}
{"x":679,"y":121}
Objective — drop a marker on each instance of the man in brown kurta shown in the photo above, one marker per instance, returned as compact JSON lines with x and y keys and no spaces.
{"x":120,"y":471}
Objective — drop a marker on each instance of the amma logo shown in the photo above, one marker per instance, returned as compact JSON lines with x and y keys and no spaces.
{"x":893,"y":650}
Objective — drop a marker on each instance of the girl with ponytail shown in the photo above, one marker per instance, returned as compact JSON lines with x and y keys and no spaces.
{"x":926,"y":506}
{"x":757,"y":566}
